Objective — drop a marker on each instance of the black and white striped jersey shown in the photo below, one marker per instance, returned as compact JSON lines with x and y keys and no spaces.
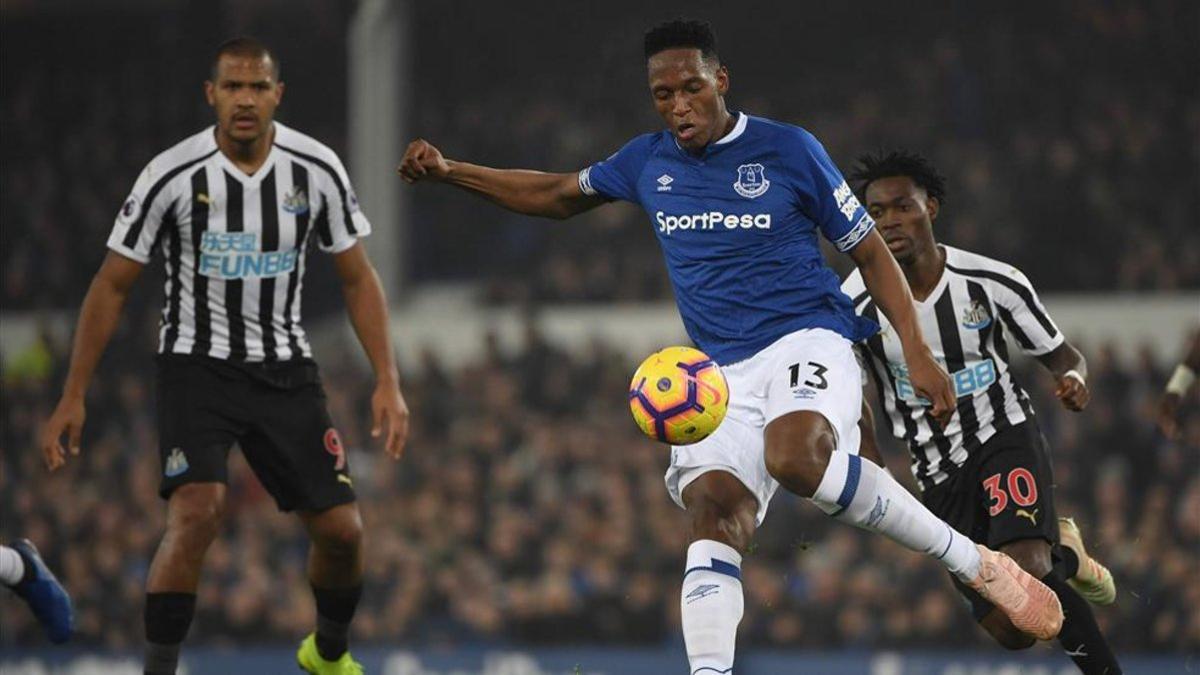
{"x":964,"y":321}
{"x":234,"y":244}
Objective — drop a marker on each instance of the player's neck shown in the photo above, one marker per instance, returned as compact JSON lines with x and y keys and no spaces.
{"x":247,"y":157}
{"x":925,"y":271}
{"x":726,"y":128}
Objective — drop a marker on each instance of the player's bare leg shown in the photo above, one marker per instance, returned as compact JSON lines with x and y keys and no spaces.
{"x":194,"y":514}
{"x":1080,"y":637}
{"x":722,"y":512}
{"x":800,"y":454}
{"x":335,"y":570}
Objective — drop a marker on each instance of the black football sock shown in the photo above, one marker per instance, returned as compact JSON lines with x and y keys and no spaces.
{"x":1080,"y":636}
{"x":335,"y":611}
{"x":1068,"y":562}
{"x":168,"y":617}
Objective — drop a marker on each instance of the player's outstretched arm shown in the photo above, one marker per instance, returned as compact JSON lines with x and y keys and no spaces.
{"x":97,"y":319}
{"x":887,"y":286}
{"x":367,"y":306}
{"x":1070,"y":372}
{"x":1181,"y":381}
{"x":534,"y":193}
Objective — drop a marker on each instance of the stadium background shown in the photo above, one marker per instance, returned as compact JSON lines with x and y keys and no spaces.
{"x":527,"y":529}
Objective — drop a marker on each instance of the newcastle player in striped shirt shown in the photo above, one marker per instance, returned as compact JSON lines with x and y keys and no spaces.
{"x":233,"y":211}
{"x":987,"y":473}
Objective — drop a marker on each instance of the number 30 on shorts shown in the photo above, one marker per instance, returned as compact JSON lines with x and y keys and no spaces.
{"x":1022,"y":490}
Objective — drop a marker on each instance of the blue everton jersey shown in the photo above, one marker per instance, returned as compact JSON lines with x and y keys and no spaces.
{"x":738,"y":227}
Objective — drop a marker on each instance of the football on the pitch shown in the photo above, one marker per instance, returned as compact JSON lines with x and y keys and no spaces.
{"x":678,"y":395}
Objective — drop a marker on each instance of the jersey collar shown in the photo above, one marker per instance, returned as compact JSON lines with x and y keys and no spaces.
{"x":241,"y":176}
{"x":738,"y":128}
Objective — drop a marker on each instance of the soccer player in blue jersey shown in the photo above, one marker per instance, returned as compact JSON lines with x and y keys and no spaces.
{"x":737,"y":203}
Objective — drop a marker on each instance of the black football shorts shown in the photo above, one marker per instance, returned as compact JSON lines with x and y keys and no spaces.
{"x":1003,"y":493}
{"x":275,"y":412}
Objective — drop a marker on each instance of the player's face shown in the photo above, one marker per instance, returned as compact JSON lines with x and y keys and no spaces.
{"x":904,"y":215}
{"x":244,"y":95}
{"x":689,"y":94}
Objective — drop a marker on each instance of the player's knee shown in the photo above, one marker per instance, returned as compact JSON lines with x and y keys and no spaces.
{"x":1010,"y":637}
{"x":798,"y":447}
{"x":713,"y":521}
{"x":720,"y":513}
{"x":196,"y":511}
{"x":339,"y":534}
{"x":1006,"y":635}
{"x":1014,"y":639}
{"x":1032,"y":555}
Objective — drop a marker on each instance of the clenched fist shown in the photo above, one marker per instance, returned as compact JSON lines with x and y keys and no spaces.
{"x":422,"y":161}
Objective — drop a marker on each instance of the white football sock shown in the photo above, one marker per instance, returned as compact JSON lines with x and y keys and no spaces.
{"x":711,"y":606}
{"x":12,"y":567}
{"x":862,"y":494}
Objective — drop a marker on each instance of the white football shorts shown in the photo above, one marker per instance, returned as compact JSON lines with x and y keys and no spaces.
{"x":811,"y":369}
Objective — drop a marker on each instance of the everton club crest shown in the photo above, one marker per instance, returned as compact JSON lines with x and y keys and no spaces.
{"x":751,"y":181}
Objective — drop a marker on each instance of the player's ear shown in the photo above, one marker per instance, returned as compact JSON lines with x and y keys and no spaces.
{"x":209,"y":92}
{"x":932,"y":205}
{"x":278,"y":93}
{"x":721,"y":73}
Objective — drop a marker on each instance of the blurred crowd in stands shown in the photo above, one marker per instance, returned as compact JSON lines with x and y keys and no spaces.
{"x":1069,"y":131}
{"x":529,"y":510}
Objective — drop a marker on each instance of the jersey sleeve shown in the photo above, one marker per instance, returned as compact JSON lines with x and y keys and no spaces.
{"x":616,"y":177}
{"x":142,"y":216}
{"x":1022,"y":312}
{"x":340,"y":221}
{"x":824,"y":195}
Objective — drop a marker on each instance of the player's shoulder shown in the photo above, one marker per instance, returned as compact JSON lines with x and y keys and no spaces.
{"x":191,"y":150}
{"x":644,"y":145}
{"x":791,"y":136}
{"x":304,"y":147}
{"x":983,"y":268}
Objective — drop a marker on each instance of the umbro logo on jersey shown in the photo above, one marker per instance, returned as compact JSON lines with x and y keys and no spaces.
{"x":664,"y":183}
{"x":751,"y":181}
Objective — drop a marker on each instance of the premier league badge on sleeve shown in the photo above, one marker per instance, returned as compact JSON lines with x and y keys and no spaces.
{"x":129,"y":209}
{"x":751,"y":181}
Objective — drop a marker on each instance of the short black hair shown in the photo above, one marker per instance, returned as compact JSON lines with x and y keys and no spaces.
{"x":247,"y":47}
{"x":682,"y":33}
{"x":892,"y":163}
